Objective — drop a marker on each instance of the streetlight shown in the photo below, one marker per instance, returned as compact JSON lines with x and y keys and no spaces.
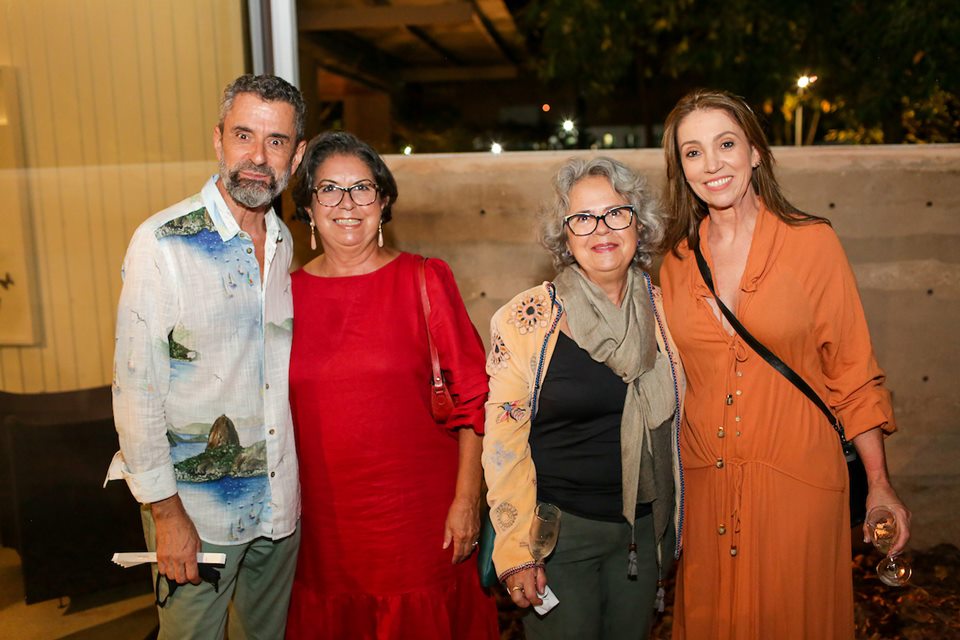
{"x":568,"y":125}
{"x":496,"y":148}
{"x":803,"y":82}
{"x":407,"y":150}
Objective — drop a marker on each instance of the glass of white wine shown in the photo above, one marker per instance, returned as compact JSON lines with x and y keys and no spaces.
{"x":543,"y":530}
{"x":894,"y":571}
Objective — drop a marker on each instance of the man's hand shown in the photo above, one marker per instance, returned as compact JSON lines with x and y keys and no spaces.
{"x":177,"y":541}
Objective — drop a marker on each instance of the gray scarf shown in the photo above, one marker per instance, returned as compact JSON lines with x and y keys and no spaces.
{"x":624,"y":339}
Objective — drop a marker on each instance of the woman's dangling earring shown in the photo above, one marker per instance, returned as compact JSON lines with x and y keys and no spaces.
{"x":380,"y":234}
{"x":313,"y":236}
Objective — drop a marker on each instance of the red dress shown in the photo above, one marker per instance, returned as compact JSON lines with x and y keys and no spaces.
{"x":377,"y":474}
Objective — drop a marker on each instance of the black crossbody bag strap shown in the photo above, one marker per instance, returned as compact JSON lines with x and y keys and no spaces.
{"x":848,"y":449}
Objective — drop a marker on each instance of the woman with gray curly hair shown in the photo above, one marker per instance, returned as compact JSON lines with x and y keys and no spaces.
{"x":583,"y":412}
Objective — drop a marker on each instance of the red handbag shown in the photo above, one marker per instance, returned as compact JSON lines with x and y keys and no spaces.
{"x":441,"y":402}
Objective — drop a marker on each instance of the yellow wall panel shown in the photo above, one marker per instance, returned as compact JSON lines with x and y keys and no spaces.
{"x":121,"y":67}
{"x":118,"y":102}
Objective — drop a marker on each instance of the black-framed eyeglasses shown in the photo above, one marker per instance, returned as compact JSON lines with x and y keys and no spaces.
{"x":616,"y":219}
{"x":330,"y":195}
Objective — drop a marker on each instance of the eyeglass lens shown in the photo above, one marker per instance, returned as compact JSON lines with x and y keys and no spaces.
{"x":330,"y":195}
{"x":616,"y":219}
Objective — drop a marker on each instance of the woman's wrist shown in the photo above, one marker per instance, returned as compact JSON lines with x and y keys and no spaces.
{"x":471,"y":498}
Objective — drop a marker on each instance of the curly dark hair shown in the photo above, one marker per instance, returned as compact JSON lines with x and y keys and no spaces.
{"x":341,"y":143}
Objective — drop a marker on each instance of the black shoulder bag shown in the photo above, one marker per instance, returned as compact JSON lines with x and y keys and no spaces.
{"x":855,"y":469}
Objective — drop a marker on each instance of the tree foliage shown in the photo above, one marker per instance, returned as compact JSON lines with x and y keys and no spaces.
{"x":888,"y":69}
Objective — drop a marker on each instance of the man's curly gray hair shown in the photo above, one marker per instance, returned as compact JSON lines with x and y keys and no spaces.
{"x":626,"y":182}
{"x":269,"y":89}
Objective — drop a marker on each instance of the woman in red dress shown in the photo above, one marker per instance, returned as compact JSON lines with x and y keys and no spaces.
{"x":389,"y":497}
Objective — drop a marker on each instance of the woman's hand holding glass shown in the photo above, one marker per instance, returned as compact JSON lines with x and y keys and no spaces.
{"x":883,"y":526}
{"x":883,"y":495}
{"x":526,"y":587}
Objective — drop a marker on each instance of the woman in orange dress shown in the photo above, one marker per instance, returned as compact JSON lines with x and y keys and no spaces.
{"x":766,"y":547}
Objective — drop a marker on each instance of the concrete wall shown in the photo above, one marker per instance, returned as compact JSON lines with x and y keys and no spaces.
{"x":896,"y":209}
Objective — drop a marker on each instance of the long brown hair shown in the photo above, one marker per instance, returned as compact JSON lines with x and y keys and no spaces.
{"x":684,"y":209}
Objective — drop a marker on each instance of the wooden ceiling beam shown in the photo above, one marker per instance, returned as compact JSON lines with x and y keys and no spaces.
{"x":438,"y":48}
{"x":352,"y":57}
{"x":380,"y":17}
{"x":458,"y":74}
{"x":490,"y":33}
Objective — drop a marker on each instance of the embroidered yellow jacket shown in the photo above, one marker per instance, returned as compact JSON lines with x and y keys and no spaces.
{"x":523,"y":337}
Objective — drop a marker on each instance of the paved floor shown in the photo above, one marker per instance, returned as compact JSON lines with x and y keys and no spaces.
{"x":126,"y":613}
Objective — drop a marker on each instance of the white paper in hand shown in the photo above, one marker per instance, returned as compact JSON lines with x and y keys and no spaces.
{"x":549,"y":602}
{"x":134,"y":558}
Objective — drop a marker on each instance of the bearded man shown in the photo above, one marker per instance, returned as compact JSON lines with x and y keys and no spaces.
{"x":200,"y":378}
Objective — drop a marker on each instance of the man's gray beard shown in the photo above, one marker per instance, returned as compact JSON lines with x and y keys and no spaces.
{"x":250,"y":193}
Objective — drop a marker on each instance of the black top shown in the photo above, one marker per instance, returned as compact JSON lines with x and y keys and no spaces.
{"x":575,"y":436}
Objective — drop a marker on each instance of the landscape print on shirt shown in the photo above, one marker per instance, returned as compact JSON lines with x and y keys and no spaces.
{"x":214,"y":470}
{"x":236,"y":267}
{"x":219,"y":466}
{"x":212,"y":466}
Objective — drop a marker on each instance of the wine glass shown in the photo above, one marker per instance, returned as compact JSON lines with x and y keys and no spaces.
{"x":543,"y":530}
{"x":893,"y":570}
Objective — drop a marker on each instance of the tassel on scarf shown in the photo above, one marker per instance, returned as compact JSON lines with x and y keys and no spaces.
{"x":660,"y":596}
{"x":632,"y":562}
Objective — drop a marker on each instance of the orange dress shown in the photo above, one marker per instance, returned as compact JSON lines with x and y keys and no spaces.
{"x":766,"y":543}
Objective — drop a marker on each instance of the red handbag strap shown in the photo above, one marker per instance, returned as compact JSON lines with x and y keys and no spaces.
{"x":425,"y":303}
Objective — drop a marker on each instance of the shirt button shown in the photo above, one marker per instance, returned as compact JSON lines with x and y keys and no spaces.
{"x":729,"y":399}
{"x":273,"y":473}
{"x":272,"y":432}
{"x":721,"y":432}
{"x":739,"y":392}
{"x":721,"y":530}
{"x":733,"y":551}
{"x":719,"y":463}
{"x":267,"y":385}
{"x":737,"y":418}
{"x":249,"y":250}
{"x":739,"y":374}
{"x":738,"y":434}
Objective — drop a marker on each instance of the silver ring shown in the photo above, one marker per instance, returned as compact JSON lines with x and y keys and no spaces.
{"x":476,"y":543}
